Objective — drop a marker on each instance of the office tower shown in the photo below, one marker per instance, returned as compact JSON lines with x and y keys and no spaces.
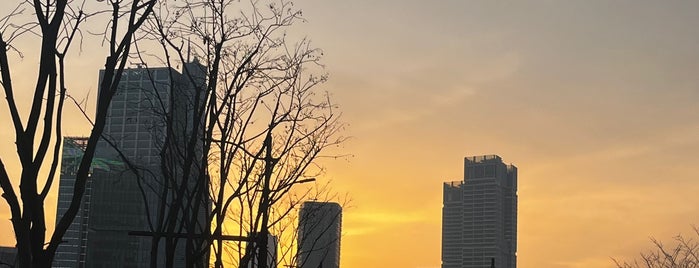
{"x":479,"y":217}
{"x":71,"y":253}
{"x":149,"y":122}
{"x":320,"y":226}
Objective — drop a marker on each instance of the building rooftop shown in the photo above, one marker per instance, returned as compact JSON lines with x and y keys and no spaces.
{"x":483,"y":158}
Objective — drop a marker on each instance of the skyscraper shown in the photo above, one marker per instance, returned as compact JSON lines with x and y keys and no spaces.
{"x":479,"y":217}
{"x":320,"y":226}
{"x":71,"y":253}
{"x":149,"y":122}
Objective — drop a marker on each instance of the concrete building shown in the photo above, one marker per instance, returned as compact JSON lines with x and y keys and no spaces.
{"x":479,"y":217}
{"x":149,"y":119}
{"x":320,"y":227}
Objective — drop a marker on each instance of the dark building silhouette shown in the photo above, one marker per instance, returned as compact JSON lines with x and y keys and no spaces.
{"x":320,"y":226}
{"x":8,"y":257}
{"x":147,"y":102}
{"x":272,"y":243}
{"x":479,"y":217}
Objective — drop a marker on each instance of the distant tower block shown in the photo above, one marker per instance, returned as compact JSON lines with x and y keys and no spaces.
{"x":320,"y":225}
{"x":479,"y":217}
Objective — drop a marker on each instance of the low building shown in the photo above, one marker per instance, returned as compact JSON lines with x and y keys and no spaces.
{"x":8,"y":257}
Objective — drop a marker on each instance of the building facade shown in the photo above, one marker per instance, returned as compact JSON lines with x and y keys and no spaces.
{"x":71,"y":253}
{"x":479,"y":216}
{"x":149,"y":123}
{"x":320,"y":227}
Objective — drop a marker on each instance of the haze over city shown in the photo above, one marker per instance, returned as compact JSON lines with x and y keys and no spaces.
{"x":595,"y":102}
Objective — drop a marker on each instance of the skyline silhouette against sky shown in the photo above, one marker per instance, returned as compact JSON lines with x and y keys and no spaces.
{"x":596,"y":103}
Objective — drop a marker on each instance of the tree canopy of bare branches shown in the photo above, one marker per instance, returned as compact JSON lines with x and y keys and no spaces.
{"x":56,"y":26}
{"x":264,"y":120}
{"x":683,"y":253}
{"x":256,"y":126}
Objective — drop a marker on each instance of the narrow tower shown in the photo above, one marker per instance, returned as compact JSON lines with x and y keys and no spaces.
{"x":320,"y":225}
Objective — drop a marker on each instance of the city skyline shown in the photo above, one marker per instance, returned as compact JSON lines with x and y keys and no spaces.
{"x":596,"y":101}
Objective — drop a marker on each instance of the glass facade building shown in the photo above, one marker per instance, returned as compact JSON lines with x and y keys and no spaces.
{"x":148,"y":122}
{"x":71,"y":253}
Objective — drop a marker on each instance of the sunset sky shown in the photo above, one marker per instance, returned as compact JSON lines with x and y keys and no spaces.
{"x":596,"y":103}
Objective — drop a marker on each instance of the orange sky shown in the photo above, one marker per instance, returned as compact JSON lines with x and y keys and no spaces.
{"x":596,"y":103}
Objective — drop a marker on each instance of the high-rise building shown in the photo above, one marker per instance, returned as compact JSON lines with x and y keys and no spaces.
{"x":320,"y":226}
{"x":149,"y":122}
{"x":71,"y":253}
{"x":479,"y":217}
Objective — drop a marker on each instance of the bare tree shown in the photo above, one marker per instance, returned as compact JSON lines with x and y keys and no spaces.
{"x":55,"y":26}
{"x":683,"y":254}
{"x":264,"y":120}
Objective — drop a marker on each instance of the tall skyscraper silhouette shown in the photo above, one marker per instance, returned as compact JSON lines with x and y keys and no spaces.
{"x":320,"y":226}
{"x":479,"y":217}
{"x":150,"y":118}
